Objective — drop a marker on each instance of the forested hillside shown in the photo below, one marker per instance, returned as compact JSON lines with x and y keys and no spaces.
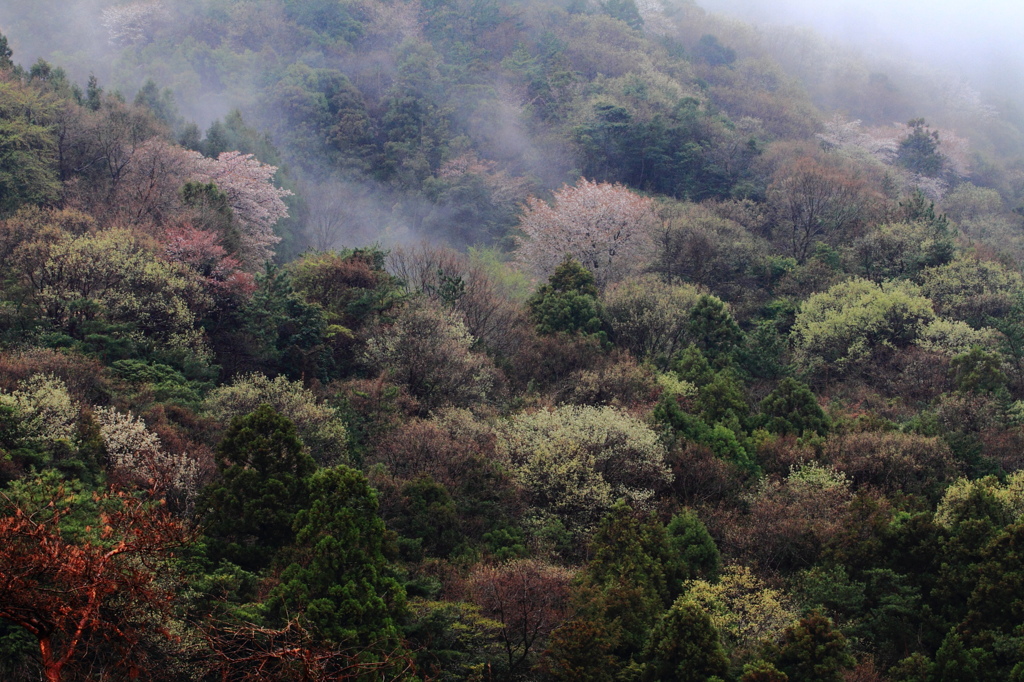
{"x":502,"y":340}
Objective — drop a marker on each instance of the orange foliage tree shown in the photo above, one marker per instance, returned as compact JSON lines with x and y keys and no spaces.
{"x":81,"y":589}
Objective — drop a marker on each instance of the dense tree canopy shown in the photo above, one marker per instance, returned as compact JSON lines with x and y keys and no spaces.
{"x":502,"y":341}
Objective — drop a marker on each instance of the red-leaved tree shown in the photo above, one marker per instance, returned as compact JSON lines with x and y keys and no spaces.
{"x":85,"y":589}
{"x":529,"y":598}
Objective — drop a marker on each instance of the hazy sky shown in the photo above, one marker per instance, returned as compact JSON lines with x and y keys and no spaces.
{"x":984,"y":37}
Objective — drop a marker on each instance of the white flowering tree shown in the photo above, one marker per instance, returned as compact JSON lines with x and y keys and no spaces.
{"x":147,"y":192}
{"x":257,"y":203}
{"x":43,"y":409}
{"x":428,"y":350}
{"x":136,"y":454}
{"x":132,"y":23}
{"x":576,"y":461}
{"x":606,"y":227}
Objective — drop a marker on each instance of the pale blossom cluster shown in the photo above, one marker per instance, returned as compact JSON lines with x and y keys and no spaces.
{"x":961,"y":98}
{"x":852,"y":137}
{"x":399,"y":20}
{"x":135,"y":453}
{"x":258,"y":204}
{"x":132,"y":23}
{"x":157,"y":170}
{"x":607,"y":228}
{"x":318,"y":425}
{"x":503,"y":187}
{"x":881,"y":144}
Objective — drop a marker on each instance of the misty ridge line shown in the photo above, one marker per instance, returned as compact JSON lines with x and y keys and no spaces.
{"x":115,"y":41}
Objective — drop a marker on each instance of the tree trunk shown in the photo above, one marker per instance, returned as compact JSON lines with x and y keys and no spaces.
{"x":51,"y":668}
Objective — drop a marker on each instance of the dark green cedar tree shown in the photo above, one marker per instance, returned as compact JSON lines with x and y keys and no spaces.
{"x":684,"y":646}
{"x":568,"y":302}
{"x":339,"y":580}
{"x":792,"y":408}
{"x":250,"y":510}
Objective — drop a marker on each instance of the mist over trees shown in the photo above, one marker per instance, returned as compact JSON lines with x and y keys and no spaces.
{"x":501,"y":341}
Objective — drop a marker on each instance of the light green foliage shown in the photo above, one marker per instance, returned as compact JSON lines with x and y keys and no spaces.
{"x":167,"y":383}
{"x":816,"y":476}
{"x":743,"y":609}
{"x":971,"y":289}
{"x":28,"y":144}
{"x":902,"y":250}
{"x":511,"y":281}
{"x":978,"y":371}
{"x":954,"y":337}
{"x":564,"y":480}
{"x":43,"y":409}
{"x":763,"y":671}
{"x":671,"y":385}
{"x":648,"y":317}
{"x":957,"y":500}
{"x":107,"y":277}
{"x":844,"y":327}
{"x":428,"y":350}
{"x":968,"y":203}
{"x":457,"y":640}
{"x":719,"y":397}
{"x":575,"y":461}
{"x":724,"y":442}
{"x":319,"y":425}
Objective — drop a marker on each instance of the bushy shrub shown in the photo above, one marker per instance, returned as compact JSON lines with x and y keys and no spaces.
{"x":319,"y":425}
{"x":648,"y":317}
{"x":429,"y":350}
{"x":576,"y":461}
{"x":842,"y":329}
